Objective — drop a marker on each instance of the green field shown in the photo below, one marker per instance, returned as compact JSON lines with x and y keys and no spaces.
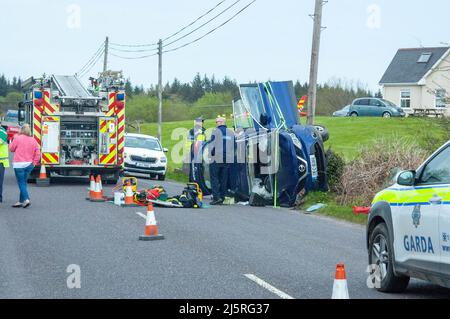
{"x":347,"y":135}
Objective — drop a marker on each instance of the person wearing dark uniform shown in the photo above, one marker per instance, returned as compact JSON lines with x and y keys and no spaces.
{"x":222,"y":157}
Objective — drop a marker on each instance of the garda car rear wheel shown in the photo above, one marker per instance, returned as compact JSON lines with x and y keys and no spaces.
{"x":381,"y":258}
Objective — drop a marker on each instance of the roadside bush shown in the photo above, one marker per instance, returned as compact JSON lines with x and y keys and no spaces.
{"x":375,"y":168}
{"x":335,"y":169}
{"x":431,"y":141}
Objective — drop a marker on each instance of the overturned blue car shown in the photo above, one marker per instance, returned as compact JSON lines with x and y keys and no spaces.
{"x":276,"y":158}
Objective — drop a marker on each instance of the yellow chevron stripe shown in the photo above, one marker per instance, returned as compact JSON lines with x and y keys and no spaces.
{"x":111,"y":109}
{"x":105,"y":128}
{"x":109,"y":157}
{"x":51,"y":158}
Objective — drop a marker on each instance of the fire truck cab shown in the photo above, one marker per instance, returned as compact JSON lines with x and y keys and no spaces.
{"x":81,"y":131}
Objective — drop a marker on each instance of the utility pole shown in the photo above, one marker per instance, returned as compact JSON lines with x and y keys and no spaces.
{"x":312,"y":91}
{"x":160,"y":90}
{"x":105,"y":61}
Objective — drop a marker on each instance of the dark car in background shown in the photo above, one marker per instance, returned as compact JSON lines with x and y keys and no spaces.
{"x":375,"y":107}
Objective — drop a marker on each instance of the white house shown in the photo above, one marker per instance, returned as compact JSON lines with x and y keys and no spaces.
{"x":419,"y":78}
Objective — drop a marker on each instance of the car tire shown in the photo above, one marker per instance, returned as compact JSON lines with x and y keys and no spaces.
{"x":387,"y":115}
{"x":380,"y":244}
{"x":354,"y":114}
{"x":323,"y":131}
{"x":161,"y":177}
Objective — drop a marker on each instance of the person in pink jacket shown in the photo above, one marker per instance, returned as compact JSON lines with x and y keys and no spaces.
{"x":26,"y":156}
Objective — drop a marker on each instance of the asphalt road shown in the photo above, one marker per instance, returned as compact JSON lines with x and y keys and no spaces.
{"x":207,"y":253}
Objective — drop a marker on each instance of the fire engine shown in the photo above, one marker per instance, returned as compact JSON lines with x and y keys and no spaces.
{"x":80,"y":131}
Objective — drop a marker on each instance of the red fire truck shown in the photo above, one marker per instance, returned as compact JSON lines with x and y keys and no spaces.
{"x":81,"y":131}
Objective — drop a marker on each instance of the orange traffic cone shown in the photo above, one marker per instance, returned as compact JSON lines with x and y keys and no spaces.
{"x":151,"y":228}
{"x":43,"y":180}
{"x":97,"y":196}
{"x":129,"y":196}
{"x":340,"y":288}
{"x":91,"y":188}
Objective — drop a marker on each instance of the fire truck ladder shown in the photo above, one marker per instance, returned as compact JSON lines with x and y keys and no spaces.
{"x":70,"y":87}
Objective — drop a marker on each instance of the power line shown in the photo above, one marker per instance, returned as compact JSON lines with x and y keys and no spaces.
{"x":133,"y":58}
{"x":134,"y":45}
{"x":102,"y":47}
{"x":204,"y":24}
{"x":94,"y":62}
{"x":196,"y":20}
{"x":134,"y":51}
{"x":213,"y":30}
{"x":167,"y":38}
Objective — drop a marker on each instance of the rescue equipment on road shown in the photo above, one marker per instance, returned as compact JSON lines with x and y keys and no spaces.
{"x":361,"y":210}
{"x":151,"y":228}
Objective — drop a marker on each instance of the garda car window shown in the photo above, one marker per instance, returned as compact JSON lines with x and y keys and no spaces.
{"x":437,"y":171}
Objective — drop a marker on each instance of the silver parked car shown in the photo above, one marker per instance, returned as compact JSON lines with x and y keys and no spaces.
{"x":343,"y":112}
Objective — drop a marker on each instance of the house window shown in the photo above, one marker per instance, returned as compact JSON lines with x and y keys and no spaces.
{"x":441,"y":98}
{"x":405,"y":98}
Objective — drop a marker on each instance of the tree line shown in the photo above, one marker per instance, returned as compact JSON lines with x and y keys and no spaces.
{"x":331,"y":96}
{"x":7,"y":86}
{"x":204,"y":95}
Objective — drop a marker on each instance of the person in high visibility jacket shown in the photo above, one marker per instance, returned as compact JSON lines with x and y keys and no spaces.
{"x":194,"y":141}
{"x":197,"y":134}
{"x":4,"y":158}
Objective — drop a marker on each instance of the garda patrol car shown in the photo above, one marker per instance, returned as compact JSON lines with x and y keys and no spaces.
{"x":408,"y":232}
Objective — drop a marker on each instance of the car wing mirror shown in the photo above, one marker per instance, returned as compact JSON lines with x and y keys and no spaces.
{"x":406,"y":178}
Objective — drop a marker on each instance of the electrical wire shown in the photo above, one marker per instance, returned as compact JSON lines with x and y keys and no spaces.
{"x":102,"y":48}
{"x":133,"y":58}
{"x":93,"y":63}
{"x":204,"y":24}
{"x":213,"y":30}
{"x":165,"y":39}
{"x":196,"y":20}
{"x":133,"y":45}
{"x":135,"y":51}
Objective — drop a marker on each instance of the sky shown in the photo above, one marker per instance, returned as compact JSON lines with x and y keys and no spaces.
{"x":271,"y":40}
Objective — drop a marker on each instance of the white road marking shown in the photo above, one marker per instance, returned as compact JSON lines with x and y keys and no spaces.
{"x":269,"y":287}
{"x":142,"y":215}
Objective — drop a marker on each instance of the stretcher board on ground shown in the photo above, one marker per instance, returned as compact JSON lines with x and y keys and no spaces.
{"x":165,"y":204}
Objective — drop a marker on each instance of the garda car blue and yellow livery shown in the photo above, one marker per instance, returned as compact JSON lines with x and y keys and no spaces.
{"x":408,"y":232}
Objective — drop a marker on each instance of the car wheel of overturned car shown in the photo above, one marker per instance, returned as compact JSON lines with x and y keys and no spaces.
{"x":381,"y":257}
{"x":323,"y":131}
